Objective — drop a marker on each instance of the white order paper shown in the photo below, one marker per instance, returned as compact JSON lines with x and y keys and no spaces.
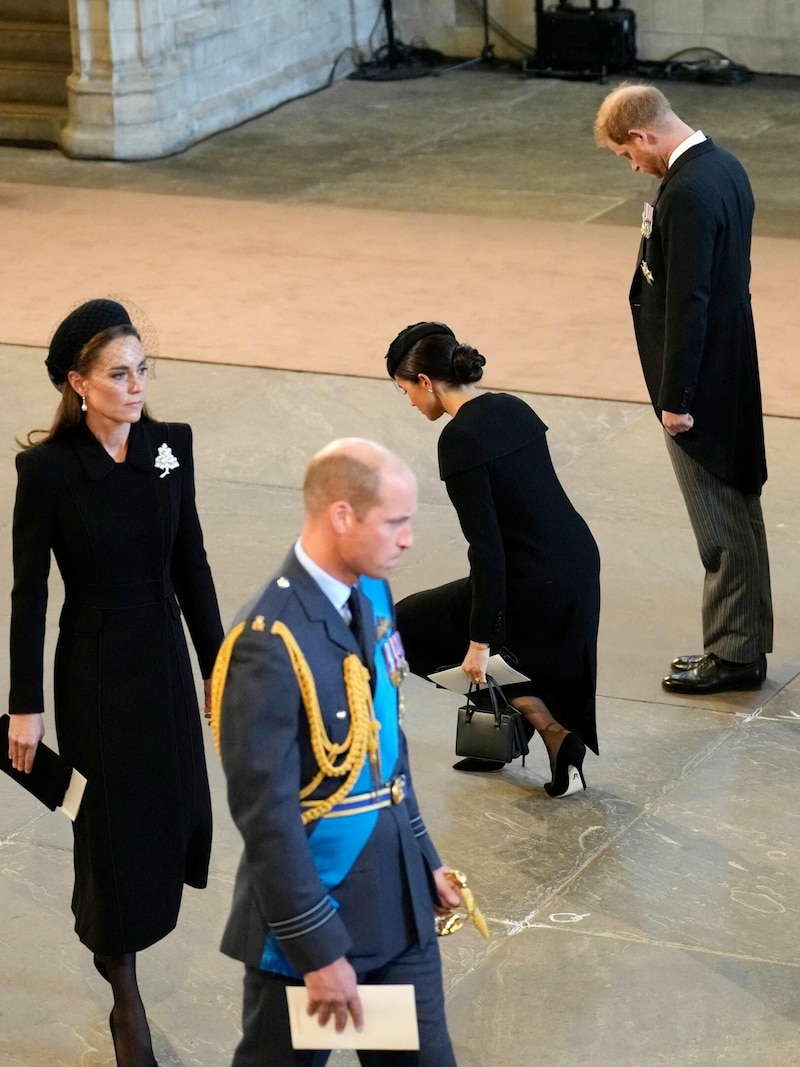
{"x":390,"y":1020}
{"x":453,"y":678}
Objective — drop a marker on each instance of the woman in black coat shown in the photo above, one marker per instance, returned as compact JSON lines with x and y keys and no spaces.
{"x":110,"y":493}
{"x":533,"y":588}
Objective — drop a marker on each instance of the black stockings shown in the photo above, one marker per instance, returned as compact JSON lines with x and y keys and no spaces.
{"x":128,"y":1022}
{"x":538,"y":715}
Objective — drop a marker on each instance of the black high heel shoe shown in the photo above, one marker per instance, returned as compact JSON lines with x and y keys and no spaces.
{"x":568,"y":770}
{"x":473,"y":763}
{"x":150,"y":1063}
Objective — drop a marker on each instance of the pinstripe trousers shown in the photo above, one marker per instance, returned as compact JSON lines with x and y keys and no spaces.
{"x":729,"y":529}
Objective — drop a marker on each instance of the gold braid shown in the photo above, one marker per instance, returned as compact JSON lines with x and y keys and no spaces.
{"x":218,"y":678}
{"x":362,"y":737}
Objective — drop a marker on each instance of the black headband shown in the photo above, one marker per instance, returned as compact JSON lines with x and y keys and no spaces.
{"x":407,"y":338}
{"x":77,"y":329}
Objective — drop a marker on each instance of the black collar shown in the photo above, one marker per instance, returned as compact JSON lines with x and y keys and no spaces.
{"x":98,"y":463}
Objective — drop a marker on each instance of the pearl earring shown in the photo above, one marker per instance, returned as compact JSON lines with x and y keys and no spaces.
{"x":83,"y":404}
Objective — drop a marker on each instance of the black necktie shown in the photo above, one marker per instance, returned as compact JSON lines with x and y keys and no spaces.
{"x":357,"y":625}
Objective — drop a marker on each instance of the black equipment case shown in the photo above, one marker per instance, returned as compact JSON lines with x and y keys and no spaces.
{"x":572,"y":38}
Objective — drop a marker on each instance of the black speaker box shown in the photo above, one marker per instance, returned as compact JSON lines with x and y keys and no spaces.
{"x":573,"y":38}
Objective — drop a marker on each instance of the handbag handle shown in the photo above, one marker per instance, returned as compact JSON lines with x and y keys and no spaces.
{"x":498,"y":701}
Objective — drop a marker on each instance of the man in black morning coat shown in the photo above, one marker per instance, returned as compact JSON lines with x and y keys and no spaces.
{"x":691,"y":310}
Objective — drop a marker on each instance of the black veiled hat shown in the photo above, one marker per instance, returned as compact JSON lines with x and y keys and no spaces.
{"x":77,"y":329}
{"x":407,"y":338}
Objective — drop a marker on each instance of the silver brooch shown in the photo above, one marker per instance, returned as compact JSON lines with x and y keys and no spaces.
{"x":165,"y":461}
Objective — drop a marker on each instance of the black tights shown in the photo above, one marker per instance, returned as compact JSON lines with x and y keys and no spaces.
{"x":128,"y":1022}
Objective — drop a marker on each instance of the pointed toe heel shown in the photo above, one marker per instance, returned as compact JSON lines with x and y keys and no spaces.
{"x":568,"y":771}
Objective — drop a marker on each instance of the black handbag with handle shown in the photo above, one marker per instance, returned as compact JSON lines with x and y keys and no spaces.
{"x":488,"y":727}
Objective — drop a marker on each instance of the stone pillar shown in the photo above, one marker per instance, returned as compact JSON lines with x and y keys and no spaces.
{"x":150,"y":77}
{"x":123,"y":102}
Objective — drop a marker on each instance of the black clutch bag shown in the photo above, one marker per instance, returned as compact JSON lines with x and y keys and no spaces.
{"x":488,"y":727}
{"x":50,"y":776}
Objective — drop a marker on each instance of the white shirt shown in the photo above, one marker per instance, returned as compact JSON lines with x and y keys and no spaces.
{"x":337,"y":592}
{"x":695,"y":138}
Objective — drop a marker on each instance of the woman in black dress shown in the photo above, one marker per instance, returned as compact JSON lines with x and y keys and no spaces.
{"x":533,"y":588}
{"x":111,"y":493}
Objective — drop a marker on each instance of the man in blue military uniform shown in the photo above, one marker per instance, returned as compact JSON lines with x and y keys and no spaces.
{"x":339,"y":880}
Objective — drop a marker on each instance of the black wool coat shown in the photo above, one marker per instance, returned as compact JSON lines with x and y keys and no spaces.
{"x":534,"y":582}
{"x":127,"y":541}
{"x":690,"y":300}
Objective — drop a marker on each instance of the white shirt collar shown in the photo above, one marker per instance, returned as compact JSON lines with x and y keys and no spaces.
{"x":695,"y":138}
{"x":337,"y":592}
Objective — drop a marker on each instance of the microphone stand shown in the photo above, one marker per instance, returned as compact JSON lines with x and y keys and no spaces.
{"x":398,"y":62}
{"x":487,"y":52}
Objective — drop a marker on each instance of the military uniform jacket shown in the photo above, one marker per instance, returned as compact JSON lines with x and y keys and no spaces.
{"x":690,"y":301}
{"x":385,"y":902}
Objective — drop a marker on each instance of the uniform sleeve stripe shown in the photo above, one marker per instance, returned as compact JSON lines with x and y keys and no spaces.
{"x":306,"y":929}
{"x":299,"y":925}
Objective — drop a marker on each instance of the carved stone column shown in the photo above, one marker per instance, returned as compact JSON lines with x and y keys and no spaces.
{"x":124,"y":87}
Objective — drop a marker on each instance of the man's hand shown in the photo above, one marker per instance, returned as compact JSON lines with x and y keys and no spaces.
{"x":207,"y":698}
{"x":675,"y":424}
{"x":333,"y":990}
{"x":24,"y":734}
{"x":448,"y":894}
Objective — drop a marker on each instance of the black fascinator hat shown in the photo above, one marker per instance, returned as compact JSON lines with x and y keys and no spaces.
{"x":77,"y":329}
{"x":407,"y":338}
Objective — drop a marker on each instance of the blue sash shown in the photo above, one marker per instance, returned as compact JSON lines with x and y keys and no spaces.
{"x":336,"y":844}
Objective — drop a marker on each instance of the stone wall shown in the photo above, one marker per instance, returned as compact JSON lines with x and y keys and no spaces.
{"x":762,"y":34}
{"x":152,"y":76}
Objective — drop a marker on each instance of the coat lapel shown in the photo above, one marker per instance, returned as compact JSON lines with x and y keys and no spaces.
{"x":93,"y":457}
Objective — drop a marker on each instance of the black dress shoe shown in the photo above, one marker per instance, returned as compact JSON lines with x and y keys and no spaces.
{"x":686,"y":663}
{"x":714,"y":675}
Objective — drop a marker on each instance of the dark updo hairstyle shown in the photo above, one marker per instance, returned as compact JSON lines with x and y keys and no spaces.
{"x":431,"y":348}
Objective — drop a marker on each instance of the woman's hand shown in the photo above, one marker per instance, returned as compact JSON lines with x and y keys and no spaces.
{"x":24,"y":734}
{"x":207,"y":698}
{"x":476,"y":661}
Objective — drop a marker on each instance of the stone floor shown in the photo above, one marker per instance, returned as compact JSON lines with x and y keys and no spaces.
{"x":646,"y":922}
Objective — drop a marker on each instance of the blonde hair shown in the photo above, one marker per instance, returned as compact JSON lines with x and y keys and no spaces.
{"x":630,"y":107}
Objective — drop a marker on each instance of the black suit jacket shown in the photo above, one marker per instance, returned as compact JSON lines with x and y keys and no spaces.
{"x":385,"y":903}
{"x":692,"y":315}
